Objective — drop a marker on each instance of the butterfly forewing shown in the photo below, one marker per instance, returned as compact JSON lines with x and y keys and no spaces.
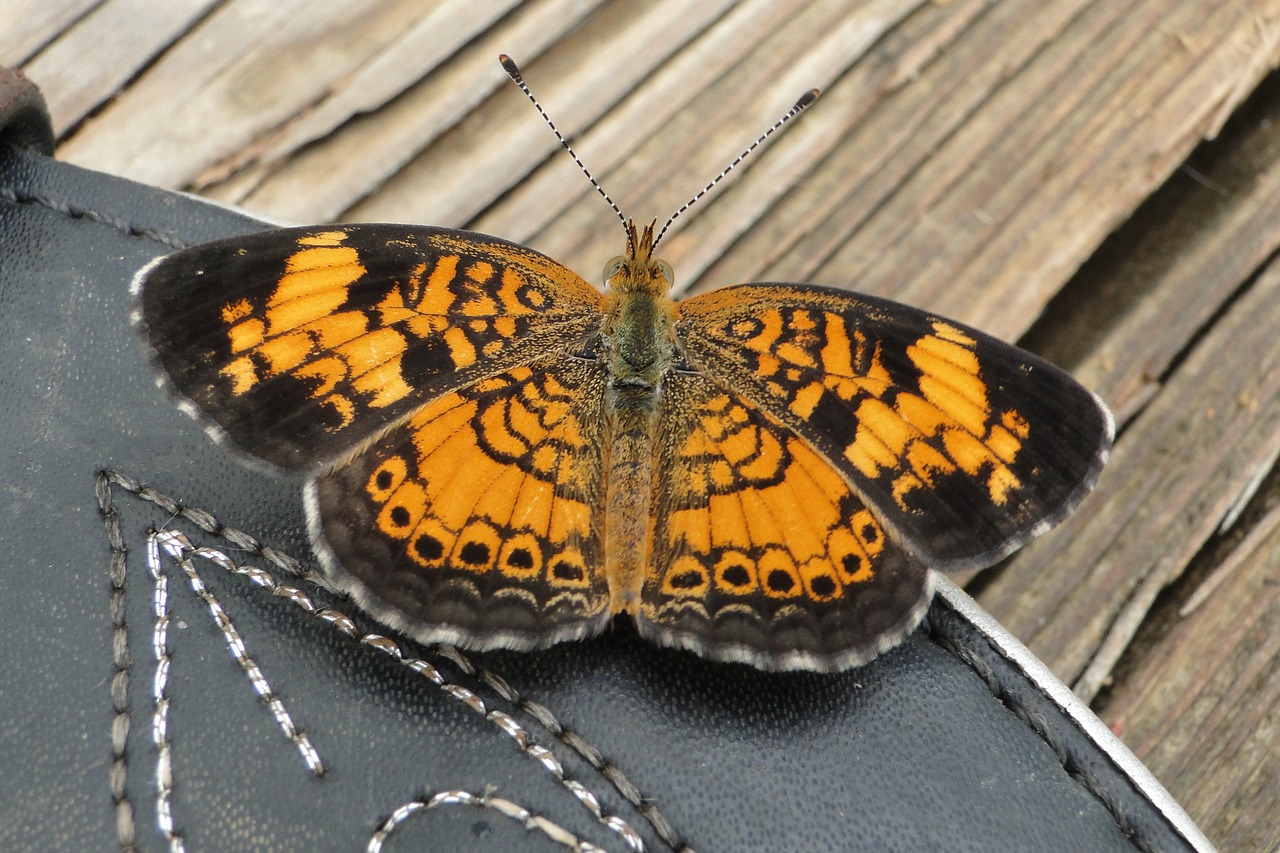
{"x":965,"y":447}
{"x":299,"y":345}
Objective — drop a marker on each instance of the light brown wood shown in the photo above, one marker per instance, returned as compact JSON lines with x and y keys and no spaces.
{"x":966,"y":156}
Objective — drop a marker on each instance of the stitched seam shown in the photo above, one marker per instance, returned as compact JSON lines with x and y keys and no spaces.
{"x":208,"y":523}
{"x":75,"y":211}
{"x":504,"y":807}
{"x":1040,"y":726}
{"x":126,"y":831}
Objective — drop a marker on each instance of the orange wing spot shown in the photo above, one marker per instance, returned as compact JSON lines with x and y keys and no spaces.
{"x":737,"y":445}
{"x":544,"y":459}
{"x":949,"y":379}
{"x":793,"y":354}
{"x":962,"y":407}
{"x":771,"y":328}
{"x":903,"y":485}
{"x":480,"y":271}
{"x":821,"y":583}
{"x":449,"y":415}
{"x":803,"y":321}
{"x":476,"y":548}
{"x":948,"y":332}
{"x":437,"y":299}
{"x":328,"y":372}
{"x":235,"y":311}
{"x":927,"y":461}
{"x":920,"y":413}
{"x":337,"y":329}
{"x":386,"y":478}
{"x":684,"y":525}
{"x":426,"y":325}
{"x":804,"y":401}
{"x":531,"y":509}
{"x":687,"y":577}
{"x":721,"y":474}
{"x":455,"y":503}
{"x":430,"y":544}
{"x":1015,"y":423}
{"x":567,"y":570}
{"x":341,"y":406}
{"x":323,"y":238}
{"x":402,"y":512}
{"x":768,"y":460}
{"x":1000,"y":483}
{"x":881,"y":437}
{"x":729,"y":524}
{"x":372,"y":350}
{"x":520,"y":557}
{"x":384,"y":384}
{"x":767,"y":364}
{"x":570,"y":521}
{"x":735,"y":574}
{"x":461,"y":350}
{"x":285,"y":352}
{"x":242,"y":374}
{"x":311,"y":301}
{"x":968,"y":452}
{"x":1004,"y":444}
{"x":246,"y":334}
{"x":837,"y":352}
{"x":778,"y":575}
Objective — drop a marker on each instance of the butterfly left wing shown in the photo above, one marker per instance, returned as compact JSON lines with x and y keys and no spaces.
{"x":760,"y":552}
{"x":477,"y":522}
{"x":964,"y":446}
{"x":296,"y":346}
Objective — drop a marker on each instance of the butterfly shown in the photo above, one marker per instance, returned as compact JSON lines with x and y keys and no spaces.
{"x":500,"y":455}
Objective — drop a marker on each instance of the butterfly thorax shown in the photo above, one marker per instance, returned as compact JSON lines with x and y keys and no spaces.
{"x":638,"y":337}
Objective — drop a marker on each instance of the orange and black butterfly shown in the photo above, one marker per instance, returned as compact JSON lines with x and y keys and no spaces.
{"x":500,"y":455}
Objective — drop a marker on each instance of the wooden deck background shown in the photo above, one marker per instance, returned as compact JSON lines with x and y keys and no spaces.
{"x":1100,"y":180}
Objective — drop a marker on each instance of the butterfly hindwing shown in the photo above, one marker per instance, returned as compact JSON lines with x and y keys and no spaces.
{"x":964,"y":446}
{"x":761,"y":552}
{"x":299,"y":345}
{"x":478,"y":520}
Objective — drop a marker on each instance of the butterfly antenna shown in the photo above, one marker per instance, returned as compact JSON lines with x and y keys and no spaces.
{"x":805,"y":100}
{"x":513,"y":71}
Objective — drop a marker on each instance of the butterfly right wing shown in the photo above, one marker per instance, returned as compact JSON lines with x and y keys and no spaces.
{"x":298,"y":346}
{"x":965,"y":446}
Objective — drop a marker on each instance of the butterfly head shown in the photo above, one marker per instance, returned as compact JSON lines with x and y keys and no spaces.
{"x":638,"y":271}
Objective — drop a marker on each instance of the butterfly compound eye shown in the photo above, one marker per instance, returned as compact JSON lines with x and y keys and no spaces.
{"x":667,"y":273}
{"x":613,"y":267}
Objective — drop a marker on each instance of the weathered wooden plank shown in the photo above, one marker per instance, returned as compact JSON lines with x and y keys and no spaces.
{"x":813,"y":47}
{"x":1196,"y":450}
{"x":29,"y":25}
{"x":319,"y":183}
{"x":385,"y":75}
{"x":475,"y":165}
{"x":139,"y":30}
{"x":247,"y":70}
{"x":647,"y":111}
{"x":1201,"y":705}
